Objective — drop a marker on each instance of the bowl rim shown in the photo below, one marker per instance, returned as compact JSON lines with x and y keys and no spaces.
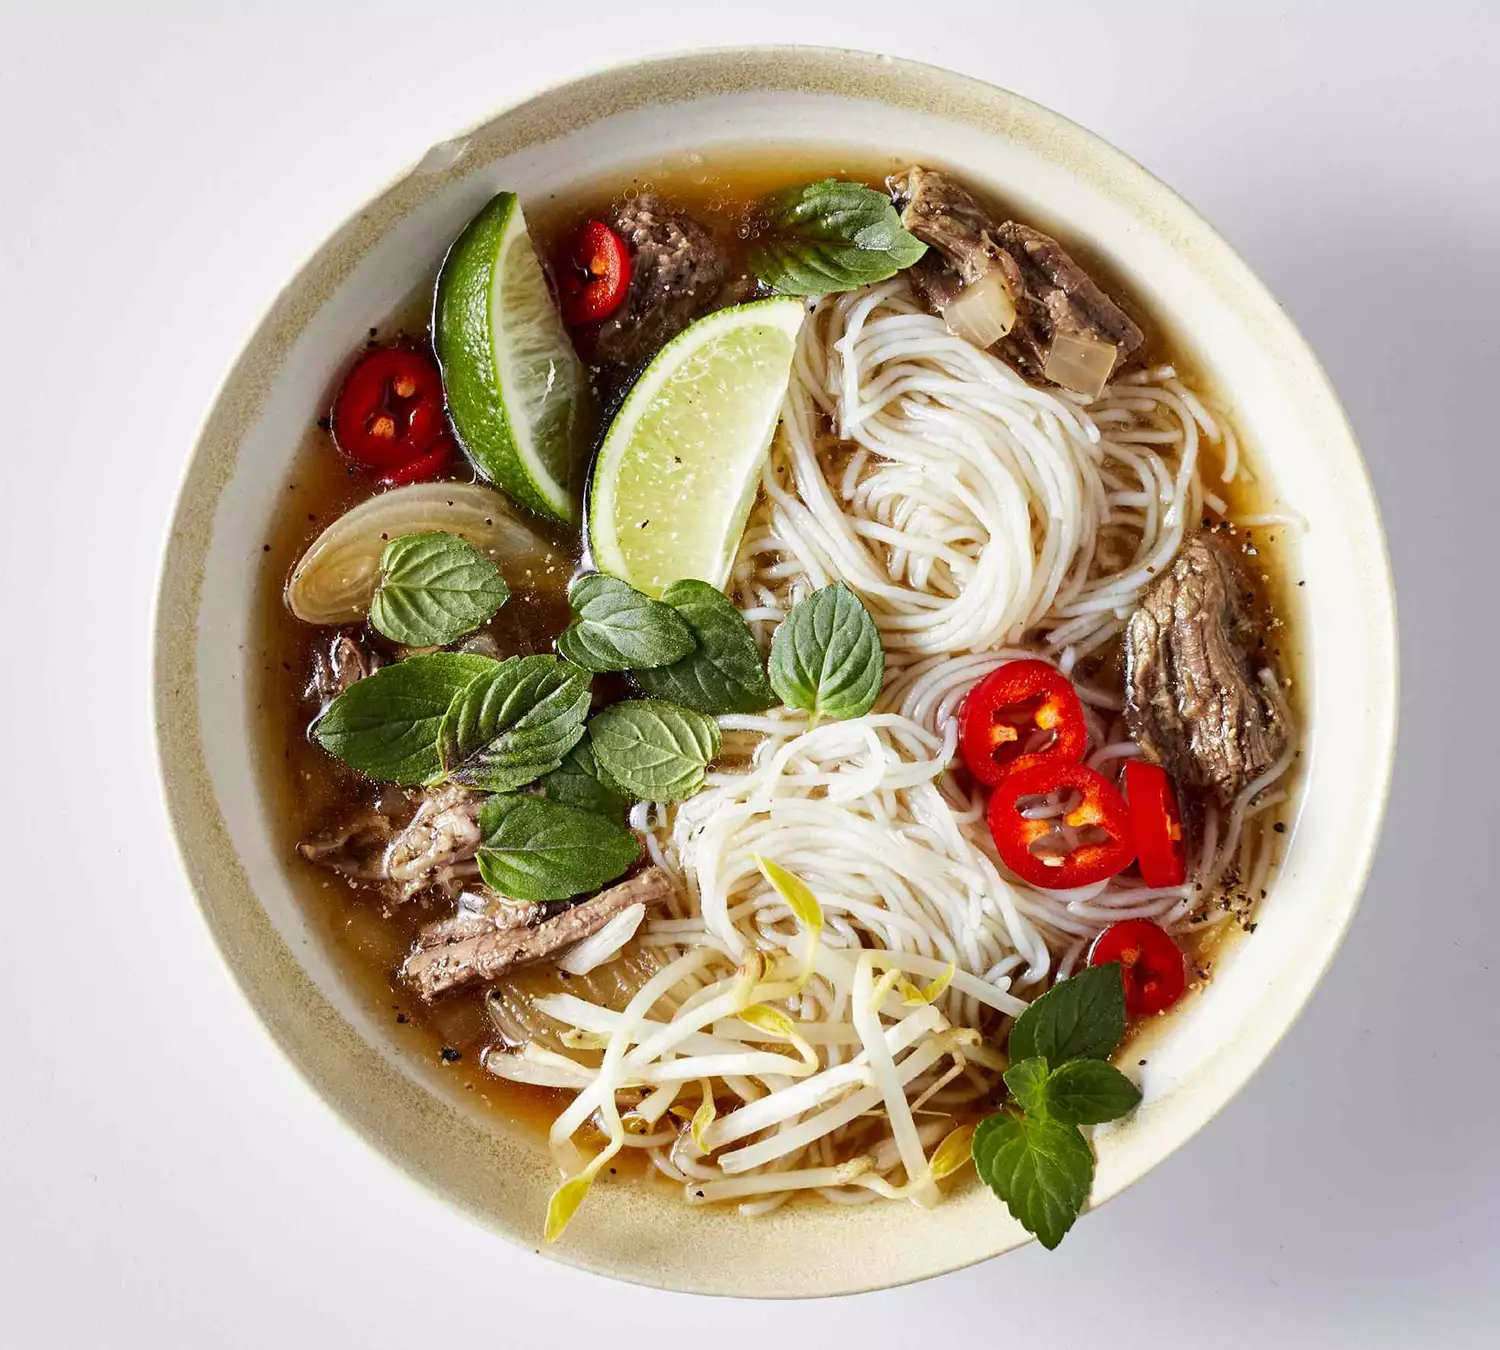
{"x":196,"y":821}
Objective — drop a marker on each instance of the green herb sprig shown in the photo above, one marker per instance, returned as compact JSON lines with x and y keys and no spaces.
{"x":1032,"y":1153}
{"x":830,"y":236}
{"x":723,"y":673}
{"x":534,"y":849}
{"x":434,"y":588}
{"x":656,"y":751}
{"x":514,"y":723}
{"x":618,"y":628}
{"x":826,"y":656}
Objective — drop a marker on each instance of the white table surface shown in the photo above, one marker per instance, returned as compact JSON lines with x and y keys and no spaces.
{"x":165,"y":1178}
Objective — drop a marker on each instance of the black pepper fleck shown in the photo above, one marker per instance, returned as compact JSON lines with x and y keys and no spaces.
{"x":450,"y":1055}
{"x":402,"y":1018}
{"x":1279,"y":827}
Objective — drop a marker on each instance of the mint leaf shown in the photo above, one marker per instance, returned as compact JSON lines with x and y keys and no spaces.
{"x":1027,"y":1082}
{"x":826,"y":656}
{"x":578,"y":781}
{"x":433,"y":589}
{"x":1079,"y":1092}
{"x":618,"y":628}
{"x":386,"y":725}
{"x":514,"y":723}
{"x":1081,"y":1017}
{"x":1041,"y":1168}
{"x":830,"y":236}
{"x":1084,"y":1092}
{"x":656,"y":751}
{"x":724,"y":673}
{"x":535,"y":850}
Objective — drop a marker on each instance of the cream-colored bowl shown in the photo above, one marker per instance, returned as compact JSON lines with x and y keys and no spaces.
{"x":1187,"y":276}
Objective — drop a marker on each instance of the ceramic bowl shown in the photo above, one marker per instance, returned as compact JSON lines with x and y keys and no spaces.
{"x":1186,"y":275}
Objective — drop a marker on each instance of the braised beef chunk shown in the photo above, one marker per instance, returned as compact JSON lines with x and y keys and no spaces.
{"x":945,"y":217}
{"x":1194,"y":703}
{"x":437,"y":848}
{"x":432,"y":852}
{"x":343,"y":662}
{"x":479,"y":914}
{"x":1053,"y":296}
{"x":354,"y":847}
{"x":676,"y":273}
{"x":524,"y":935}
{"x":1060,"y":298}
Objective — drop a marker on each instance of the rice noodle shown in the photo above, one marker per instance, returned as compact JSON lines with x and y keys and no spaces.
{"x":973,"y":508}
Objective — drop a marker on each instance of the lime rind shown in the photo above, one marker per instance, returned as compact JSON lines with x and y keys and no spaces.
{"x":512,"y":379}
{"x":678,"y":470}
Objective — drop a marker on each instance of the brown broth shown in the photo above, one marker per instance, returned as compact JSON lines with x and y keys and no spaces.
{"x":306,"y":789}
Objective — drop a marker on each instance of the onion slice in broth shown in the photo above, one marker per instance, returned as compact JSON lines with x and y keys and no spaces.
{"x":983,"y":312}
{"x":335,"y":579}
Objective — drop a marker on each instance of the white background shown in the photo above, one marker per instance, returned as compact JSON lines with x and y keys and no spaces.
{"x":166,"y":1180}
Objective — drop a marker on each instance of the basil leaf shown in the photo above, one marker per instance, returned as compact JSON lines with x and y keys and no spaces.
{"x":830,"y":236}
{"x":433,"y":589}
{"x":1041,"y":1168}
{"x":514,"y":723}
{"x":537,"y":850}
{"x":826,"y":655}
{"x":656,"y":751}
{"x":618,"y":628}
{"x":1084,"y":1092}
{"x":578,"y":781}
{"x":724,"y":673}
{"x":1027,"y":1082}
{"x":1081,"y":1018}
{"x":386,"y":725}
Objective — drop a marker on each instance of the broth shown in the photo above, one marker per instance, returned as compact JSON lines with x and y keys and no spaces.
{"x":306,"y":788}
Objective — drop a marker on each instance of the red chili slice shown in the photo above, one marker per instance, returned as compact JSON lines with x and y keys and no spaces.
{"x":1156,"y":823}
{"x":389,"y":411}
{"x":1023,"y":713}
{"x":1101,"y":844}
{"x":595,"y":275}
{"x":424,"y":468}
{"x":1151,"y":964}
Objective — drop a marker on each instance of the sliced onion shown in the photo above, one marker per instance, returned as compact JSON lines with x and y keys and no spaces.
{"x":336,"y":577}
{"x":604,"y":945}
{"x":1080,"y":363}
{"x":516,"y":1066}
{"x":983,"y":312}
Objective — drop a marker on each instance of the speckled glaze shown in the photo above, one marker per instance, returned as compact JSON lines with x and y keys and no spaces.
{"x":1185,"y":273}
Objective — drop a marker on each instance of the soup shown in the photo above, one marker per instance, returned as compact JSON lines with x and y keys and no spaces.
{"x":773,"y":676}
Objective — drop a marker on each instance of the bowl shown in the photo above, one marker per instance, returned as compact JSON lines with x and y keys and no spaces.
{"x":1188,"y":277}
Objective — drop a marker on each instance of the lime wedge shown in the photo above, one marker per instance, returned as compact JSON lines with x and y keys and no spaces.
{"x":512,"y":379}
{"x":678,"y":470}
